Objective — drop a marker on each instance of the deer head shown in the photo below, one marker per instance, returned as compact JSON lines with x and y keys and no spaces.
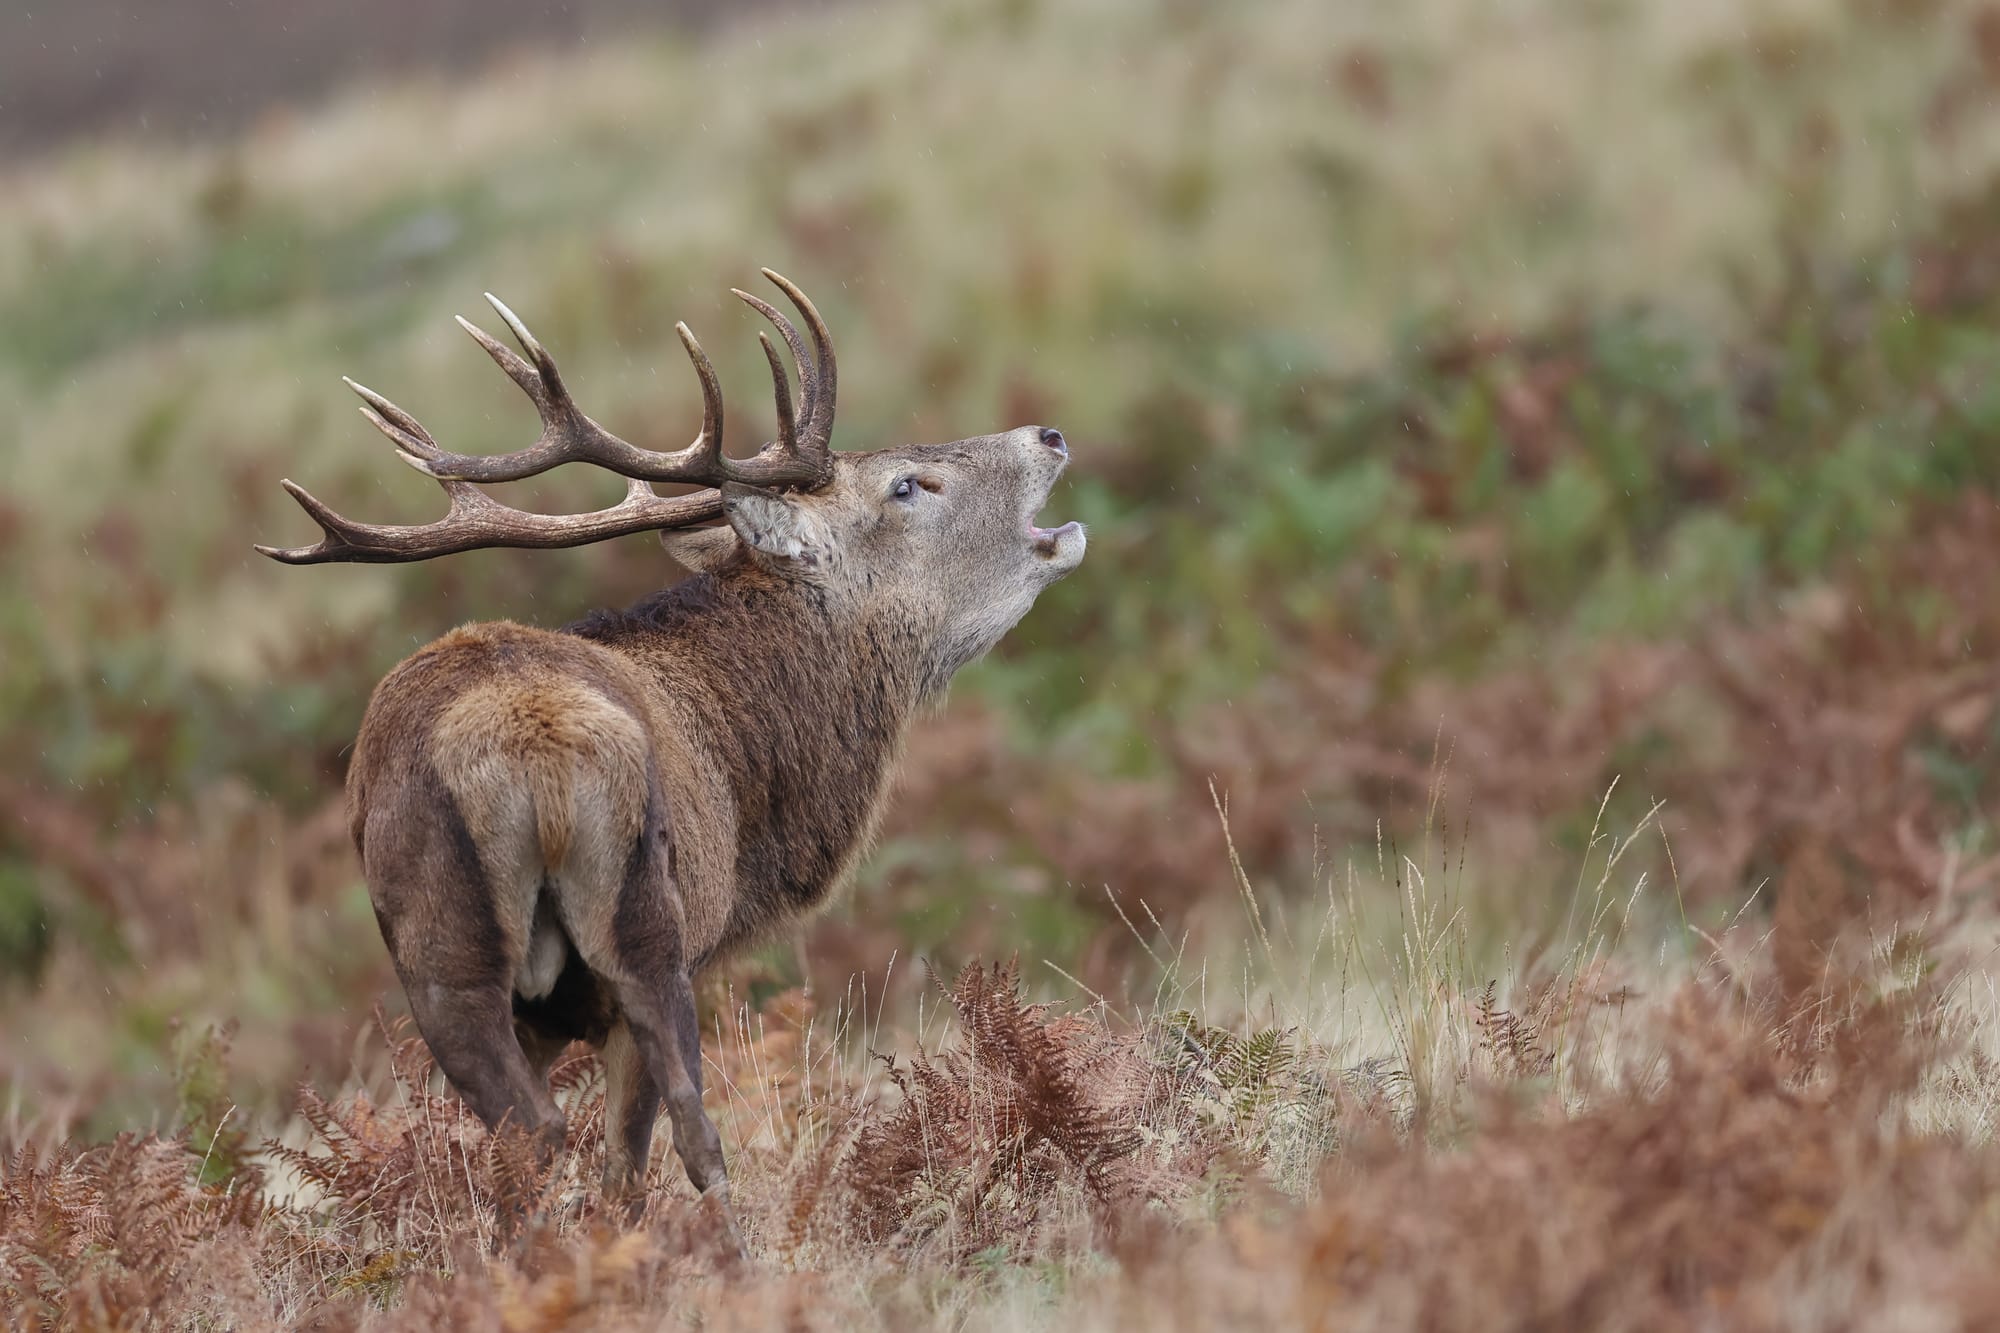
{"x":939,"y":539}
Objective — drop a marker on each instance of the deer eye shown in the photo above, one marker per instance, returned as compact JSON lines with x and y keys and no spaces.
{"x":904,"y":488}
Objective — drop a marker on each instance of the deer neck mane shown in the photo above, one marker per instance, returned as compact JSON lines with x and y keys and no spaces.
{"x":805,"y":707}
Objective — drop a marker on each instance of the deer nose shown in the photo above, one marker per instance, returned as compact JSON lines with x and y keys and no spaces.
{"x":1053,"y":438}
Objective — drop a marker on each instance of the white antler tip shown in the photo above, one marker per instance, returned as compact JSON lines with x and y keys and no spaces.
{"x":528,"y":342}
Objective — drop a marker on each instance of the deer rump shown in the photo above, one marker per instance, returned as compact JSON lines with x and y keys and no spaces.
{"x":552,"y":781}
{"x":552,"y":776}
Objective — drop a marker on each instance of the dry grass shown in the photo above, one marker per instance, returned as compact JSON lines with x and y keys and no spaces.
{"x":1603,"y":1141}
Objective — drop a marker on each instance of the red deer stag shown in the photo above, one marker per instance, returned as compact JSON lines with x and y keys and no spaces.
{"x":560,"y":828}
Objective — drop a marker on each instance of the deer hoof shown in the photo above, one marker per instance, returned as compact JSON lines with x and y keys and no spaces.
{"x":715,"y":1201}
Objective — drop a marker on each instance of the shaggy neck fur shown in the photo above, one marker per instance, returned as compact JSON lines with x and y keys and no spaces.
{"x":805,"y":710}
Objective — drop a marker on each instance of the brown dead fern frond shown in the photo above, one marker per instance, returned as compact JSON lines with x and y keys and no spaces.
{"x":1514,"y":1040}
{"x":410,"y":1169}
{"x":115,"y":1236}
{"x":52,"y":1214}
{"x":984,"y":1136}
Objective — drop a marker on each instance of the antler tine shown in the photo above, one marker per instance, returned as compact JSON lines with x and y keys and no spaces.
{"x":543,"y":372}
{"x":476,"y":520}
{"x":781,"y":389}
{"x":799,"y":457}
{"x":826,"y":377}
{"x":503,"y":356}
{"x":414,"y":444}
{"x":568,"y":435}
{"x":707,"y":446}
{"x":793,"y":339}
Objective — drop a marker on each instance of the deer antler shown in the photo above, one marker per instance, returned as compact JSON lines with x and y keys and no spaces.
{"x":801,"y":456}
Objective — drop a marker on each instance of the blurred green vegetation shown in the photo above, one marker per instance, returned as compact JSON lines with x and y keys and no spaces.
{"x":1456,"y":337}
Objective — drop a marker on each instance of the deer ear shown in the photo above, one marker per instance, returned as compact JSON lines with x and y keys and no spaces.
{"x":776,"y":530}
{"x":703,"y":550}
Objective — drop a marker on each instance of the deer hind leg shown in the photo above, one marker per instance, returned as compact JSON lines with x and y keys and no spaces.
{"x":657,"y":1017}
{"x":661,"y":1018}
{"x":470,"y":1031}
{"x":618,"y":904}
{"x":444,"y":932}
{"x":659,"y":1013}
{"x":631,"y":1106}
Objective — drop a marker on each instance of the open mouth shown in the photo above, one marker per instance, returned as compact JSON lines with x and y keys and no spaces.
{"x":1048,"y":543}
